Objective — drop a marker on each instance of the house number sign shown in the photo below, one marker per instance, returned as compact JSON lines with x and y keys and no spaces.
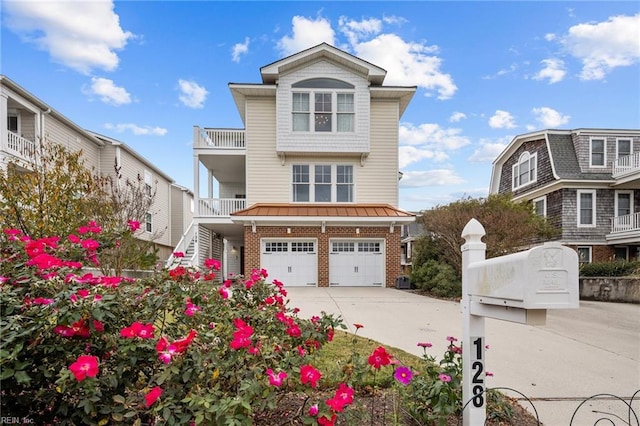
{"x":477,"y":371}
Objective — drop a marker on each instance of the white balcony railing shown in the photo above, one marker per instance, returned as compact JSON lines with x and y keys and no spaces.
{"x":20,"y":147}
{"x":626,"y":223}
{"x":220,"y":138}
{"x":626,"y":165}
{"x":216,"y":207}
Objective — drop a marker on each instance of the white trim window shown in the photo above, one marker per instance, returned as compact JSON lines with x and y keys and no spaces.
{"x":623,"y":203}
{"x":584,"y":254}
{"x":540,"y":206}
{"x":13,"y":121}
{"x":148,"y":222}
{"x":322,"y":183}
{"x":623,"y":147}
{"x":525,"y":171}
{"x":323,"y":105}
{"x":598,"y":152}
{"x":586,"y":206}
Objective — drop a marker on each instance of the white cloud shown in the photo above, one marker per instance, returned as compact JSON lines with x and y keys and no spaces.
{"x":436,"y":177}
{"x":432,"y":135}
{"x":240,"y":49}
{"x":550,"y":37}
{"x":457,"y":116}
{"x":356,"y":30}
{"x":411,"y":154}
{"x":549,"y":117}
{"x":488,"y":150}
{"x":512,"y":68}
{"x":136,"y":130}
{"x":603,"y":46}
{"x":408,"y":63}
{"x":553,"y":70}
{"x":192,"y":95}
{"x":395,"y":20}
{"x":306,"y":33}
{"x":502,"y":120}
{"x":108,"y":92}
{"x":81,"y":35}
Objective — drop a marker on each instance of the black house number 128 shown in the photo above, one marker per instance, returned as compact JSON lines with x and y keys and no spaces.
{"x":477,"y":370}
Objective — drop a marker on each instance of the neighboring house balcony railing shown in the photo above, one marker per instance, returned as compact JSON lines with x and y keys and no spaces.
{"x":625,"y":229}
{"x":627,"y":165}
{"x":219,"y":138}
{"x":220,"y":207}
{"x":20,"y":147}
{"x":628,"y":222}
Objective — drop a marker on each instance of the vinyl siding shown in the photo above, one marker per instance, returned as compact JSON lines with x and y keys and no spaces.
{"x":377,"y":180}
{"x":57,"y":132}
{"x":267,"y":179}
{"x":231,"y":189}
{"x":181,"y":215}
{"x":131,"y":168}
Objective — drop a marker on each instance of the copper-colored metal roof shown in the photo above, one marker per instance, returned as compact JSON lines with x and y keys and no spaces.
{"x":324,"y":210}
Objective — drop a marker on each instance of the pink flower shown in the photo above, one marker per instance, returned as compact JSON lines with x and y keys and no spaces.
{"x":74,"y":239}
{"x":152,"y":396}
{"x":444,"y":378}
{"x":98,"y":325}
{"x":137,"y":329}
{"x":178,"y":254}
{"x":452,"y":339}
{"x":379,"y":357}
{"x":90,"y":245}
{"x":85,"y":366}
{"x":212,"y":264}
{"x":276,"y":379}
{"x":324,"y":421}
{"x":342,"y":398}
{"x":42,"y":301}
{"x":313,"y":410}
{"x":489,"y":374}
{"x":403,"y":375}
{"x":358,"y":326}
{"x":242,"y":335}
{"x":425,"y":344}
{"x":294,"y":330}
{"x":191,"y":309}
{"x":134,"y":225}
{"x":225,"y":292}
{"x":308,"y":374}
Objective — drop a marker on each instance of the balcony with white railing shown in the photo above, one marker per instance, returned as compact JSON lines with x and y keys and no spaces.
{"x":219,"y":138}
{"x":625,"y":229}
{"x":220,"y":207}
{"x":626,"y":166}
{"x":20,"y":147}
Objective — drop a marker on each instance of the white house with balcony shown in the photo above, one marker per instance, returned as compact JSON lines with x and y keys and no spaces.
{"x":584,"y":181}
{"x":308,"y":189}
{"x":28,"y":121}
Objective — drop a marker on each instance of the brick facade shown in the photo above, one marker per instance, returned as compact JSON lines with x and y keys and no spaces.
{"x":392,"y":245}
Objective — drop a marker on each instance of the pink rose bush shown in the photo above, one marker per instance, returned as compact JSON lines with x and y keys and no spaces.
{"x":176,"y":347}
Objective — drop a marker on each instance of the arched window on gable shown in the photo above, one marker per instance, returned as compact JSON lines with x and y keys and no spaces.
{"x":323,"y":105}
{"x":525,"y":171}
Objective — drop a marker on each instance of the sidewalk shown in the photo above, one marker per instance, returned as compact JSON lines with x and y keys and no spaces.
{"x":577,"y":354}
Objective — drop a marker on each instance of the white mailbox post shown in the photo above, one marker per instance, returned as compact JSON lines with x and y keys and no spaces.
{"x":518,"y":287}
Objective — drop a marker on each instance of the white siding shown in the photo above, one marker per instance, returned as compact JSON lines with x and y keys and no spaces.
{"x":267,"y":179}
{"x":231,"y":189}
{"x":58,"y":133}
{"x":377,"y":180}
{"x":288,"y":141}
{"x":181,"y":214}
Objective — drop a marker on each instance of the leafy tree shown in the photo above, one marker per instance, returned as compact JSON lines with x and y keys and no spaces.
{"x":510,"y":226}
{"x":53,"y":192}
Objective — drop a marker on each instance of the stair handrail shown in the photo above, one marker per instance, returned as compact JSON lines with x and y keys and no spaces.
{"x":182,"y":245}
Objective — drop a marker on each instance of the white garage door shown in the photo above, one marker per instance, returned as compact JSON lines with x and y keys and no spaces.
{"x":293,"y":262}
{"x":356,"y":263}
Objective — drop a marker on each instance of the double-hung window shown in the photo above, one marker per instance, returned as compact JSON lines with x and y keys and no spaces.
{"x":322,"y":105}
{"x":525,"y":171}
{"x":623,"y":148}
{"x":148,"y":222}
{"x":322,"y":183}
{"x":598,"y":155}
{"x":540,"y":206}
{"x":148,"y":183}
{"x":586,"y":208}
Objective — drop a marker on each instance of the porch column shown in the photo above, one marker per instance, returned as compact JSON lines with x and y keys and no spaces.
{"x":4,"y":99}
{"x":196,"y":173}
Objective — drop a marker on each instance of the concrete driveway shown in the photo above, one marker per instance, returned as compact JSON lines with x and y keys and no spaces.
{"x":578,"y":353}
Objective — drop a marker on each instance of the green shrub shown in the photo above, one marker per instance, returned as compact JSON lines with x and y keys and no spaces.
{"x":437,"y":278}
{"x":610,"y":269}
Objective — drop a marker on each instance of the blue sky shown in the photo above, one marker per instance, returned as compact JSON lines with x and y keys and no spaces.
{"x":146,"y":72}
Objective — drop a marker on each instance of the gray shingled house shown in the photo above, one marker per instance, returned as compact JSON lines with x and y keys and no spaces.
{"x":584,"y":181}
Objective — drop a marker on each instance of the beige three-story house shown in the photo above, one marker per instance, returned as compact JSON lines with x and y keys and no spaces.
{"x":308,"y":189}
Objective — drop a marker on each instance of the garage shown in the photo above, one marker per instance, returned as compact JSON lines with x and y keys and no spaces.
{"x":355,"y":263}
{"x":294,"y":262}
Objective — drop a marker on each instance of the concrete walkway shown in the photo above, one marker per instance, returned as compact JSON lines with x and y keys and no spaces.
{"x":577,"y":354}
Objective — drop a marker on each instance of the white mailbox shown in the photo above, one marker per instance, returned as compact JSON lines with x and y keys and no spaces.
{"x":544,"y":277}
